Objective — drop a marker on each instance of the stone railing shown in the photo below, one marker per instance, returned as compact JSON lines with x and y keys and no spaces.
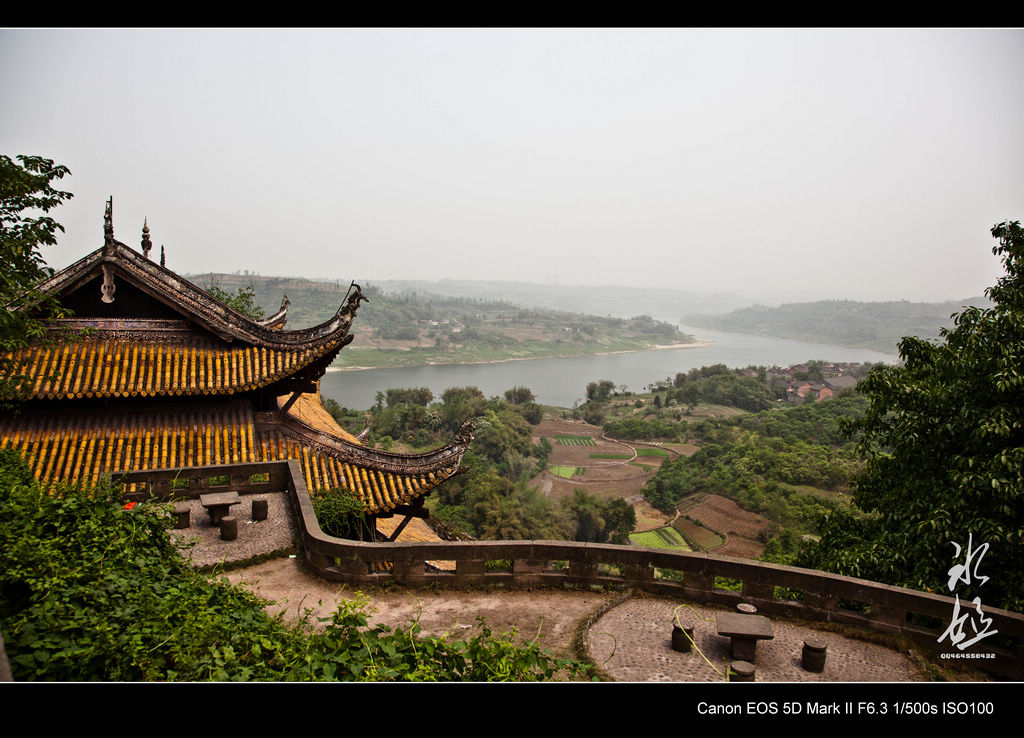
{"x":780,"y":591}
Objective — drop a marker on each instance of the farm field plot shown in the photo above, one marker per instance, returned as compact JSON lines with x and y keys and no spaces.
{"x":725,"y":516}
{"x":666,"y":537}
{"x":567,"y":471}
{"x":703,"y":539}
{"x":724,"y":526}
{"x":741,"y":548}
{"x":647,"y":516}
{"x":576,"y":440}
{"x":608,"y":473}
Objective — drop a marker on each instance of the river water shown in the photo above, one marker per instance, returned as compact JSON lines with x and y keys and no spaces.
{"x":563,"y":382}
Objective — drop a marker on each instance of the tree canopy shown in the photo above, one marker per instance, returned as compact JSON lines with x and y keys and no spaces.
{"x":242,"y":300}
{"x":27,"y":194}
{"x":943,"y":436}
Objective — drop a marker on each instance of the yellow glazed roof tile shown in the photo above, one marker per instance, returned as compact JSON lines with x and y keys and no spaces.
{"x":97,"y":367}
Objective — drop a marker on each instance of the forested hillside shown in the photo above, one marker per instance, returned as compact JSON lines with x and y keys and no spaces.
{"x":872,"y":325}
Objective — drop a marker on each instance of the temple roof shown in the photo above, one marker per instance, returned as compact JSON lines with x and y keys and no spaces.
{"x":154,"y":372}
{"x":120,"y":366}
{"x":72,"y":446}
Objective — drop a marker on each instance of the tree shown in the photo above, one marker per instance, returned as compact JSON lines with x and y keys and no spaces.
{"x":600,"y":391}
{"x":243,"y":300}
{"x":520,"y":395}
{"x":26,"y":195}
{"x":600,"y":520}
{"x":410,"y":396}
{"x":944,"y":440}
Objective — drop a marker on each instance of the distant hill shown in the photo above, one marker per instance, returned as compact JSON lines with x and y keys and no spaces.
{"x":872,"y":325}
{"x":415,"y":327}
{"x":615,"y":300}
{"x":312,"y":301}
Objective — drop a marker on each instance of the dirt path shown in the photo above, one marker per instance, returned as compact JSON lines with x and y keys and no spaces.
{"x":551,"y":615}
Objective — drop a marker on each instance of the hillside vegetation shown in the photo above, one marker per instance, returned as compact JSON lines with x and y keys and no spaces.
{"x":872,"y":325}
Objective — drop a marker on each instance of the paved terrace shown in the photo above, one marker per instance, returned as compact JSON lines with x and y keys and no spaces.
{"x":629,"y":637}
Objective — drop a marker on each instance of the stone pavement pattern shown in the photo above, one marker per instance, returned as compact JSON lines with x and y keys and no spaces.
{"x":276,"y":533}
{"x":633,"y":643}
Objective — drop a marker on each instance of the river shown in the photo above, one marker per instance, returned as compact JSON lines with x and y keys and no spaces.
{"x":563,"y":382}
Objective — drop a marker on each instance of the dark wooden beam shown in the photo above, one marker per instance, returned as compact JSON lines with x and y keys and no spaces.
{"x":401,"y":526}
{"x":291,"y":401}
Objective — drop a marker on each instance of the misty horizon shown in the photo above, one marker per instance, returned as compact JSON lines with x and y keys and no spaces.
{"x":779,"y":165}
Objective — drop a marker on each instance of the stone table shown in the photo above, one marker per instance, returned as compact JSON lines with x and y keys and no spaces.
{"x":745,"y":631}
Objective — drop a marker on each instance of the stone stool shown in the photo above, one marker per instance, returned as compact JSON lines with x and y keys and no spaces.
{"x":813,"y":656}
{"x":182,"y":515}
{"x":260,"y":509}
{"x":741,"y":671}
{"x":682,"y":638}
{"x":229,"y":528}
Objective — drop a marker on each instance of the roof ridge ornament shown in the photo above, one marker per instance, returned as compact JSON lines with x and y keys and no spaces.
{"x":352,"y":299}
{"x":163,"y":256}
{"x":108,"y":221}
{"x":108,"y":287}
{"x":147,"y":245}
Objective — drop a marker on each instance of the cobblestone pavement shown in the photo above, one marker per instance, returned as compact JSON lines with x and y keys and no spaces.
{"x":276,"y":533}
{"x":633,"y":643}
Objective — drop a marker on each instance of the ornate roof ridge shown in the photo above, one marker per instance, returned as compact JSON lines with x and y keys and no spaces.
{"x":115,"y":258}
{"x":449,"y":455}
{"x":278,"y":319}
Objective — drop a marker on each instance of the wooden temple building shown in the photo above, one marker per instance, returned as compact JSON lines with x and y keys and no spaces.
{"x":152,"y":372}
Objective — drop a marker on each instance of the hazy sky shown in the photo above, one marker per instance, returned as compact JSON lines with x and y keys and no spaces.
{"x":862,"y":164}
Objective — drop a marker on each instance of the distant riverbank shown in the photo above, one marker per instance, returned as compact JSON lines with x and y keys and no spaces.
{"x":394,"y":358}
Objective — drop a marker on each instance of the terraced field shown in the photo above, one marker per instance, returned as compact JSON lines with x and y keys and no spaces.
{"x":703,"y":539}
{"x":724,"y":526}
{"x":576,"y":440}
{"x":567,"y":471}
{"x":667,"y":537}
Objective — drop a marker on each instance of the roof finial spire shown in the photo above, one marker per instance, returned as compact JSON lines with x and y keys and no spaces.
{"x":108,"y":221}
{"x":147,"y":245}
{"x":163,"y":256}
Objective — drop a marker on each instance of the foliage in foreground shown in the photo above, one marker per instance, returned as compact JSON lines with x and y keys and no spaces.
{"x":90,"y":591}
{"x":26,"y":190}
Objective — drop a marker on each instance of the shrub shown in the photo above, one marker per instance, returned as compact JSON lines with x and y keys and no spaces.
{"x":340,"y":513}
